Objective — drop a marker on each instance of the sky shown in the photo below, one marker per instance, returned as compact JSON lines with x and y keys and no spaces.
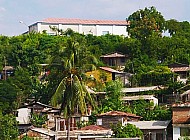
{"x":31,"y":11}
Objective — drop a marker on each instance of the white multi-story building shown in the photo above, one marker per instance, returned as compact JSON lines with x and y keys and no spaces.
{"x":94,"y":27}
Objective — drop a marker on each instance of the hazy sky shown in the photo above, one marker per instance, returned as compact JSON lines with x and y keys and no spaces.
{"x":31,"y":11}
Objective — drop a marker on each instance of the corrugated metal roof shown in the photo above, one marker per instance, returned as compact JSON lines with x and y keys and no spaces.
{"x":84,"y":21}
{"x":44,"y":131}
{"x":110,"y":70}
{"x":113,"y":55}
{"x":187,"y":104}
{"x":119,"y":113}
{"x":178,"y":69}
{"x":144,"y":97}
{"x":140,"y":89}
{"x":93,"y":127}
{"x":151,"y":124}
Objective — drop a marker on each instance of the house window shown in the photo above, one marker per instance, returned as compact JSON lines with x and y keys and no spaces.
{"x":122,"y":60}
{"x":99,"y":121}
{"x":105,"y":32}
{"x":16,"y":113}
{"x":185,"y":131}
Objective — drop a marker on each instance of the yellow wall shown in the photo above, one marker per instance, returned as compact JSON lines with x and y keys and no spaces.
{"x":98,"y":73}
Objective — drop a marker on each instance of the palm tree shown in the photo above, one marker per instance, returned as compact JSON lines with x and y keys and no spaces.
{"x":72,"y":92}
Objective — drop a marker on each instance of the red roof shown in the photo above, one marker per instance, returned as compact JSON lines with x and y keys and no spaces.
{"x":182,"y":120}
{"x":93,"y":127}
{"x":84,"y":21}
{"x":187,"y":104}
{"x":119,"y":113}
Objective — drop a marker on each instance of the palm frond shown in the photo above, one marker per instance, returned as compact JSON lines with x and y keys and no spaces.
{"x":58,"y":95}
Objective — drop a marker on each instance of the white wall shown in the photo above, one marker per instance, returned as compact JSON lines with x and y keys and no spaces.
{"x":82,"y":29}
{"x":23,"y":116}
{"x":176,"y":133}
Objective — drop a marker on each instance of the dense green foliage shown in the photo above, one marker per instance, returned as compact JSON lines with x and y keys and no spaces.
{"x":8,"y":129}
{"x":113,"y":98}
{"x":127,"y":131}
{"x":38,"y":120}
{"x":148,"y":111}
{"x":69,"y":55}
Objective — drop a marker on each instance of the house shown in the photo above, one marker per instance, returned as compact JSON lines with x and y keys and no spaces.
{"x":148,"y":93}
{"x":154,"y":130}
{"x":114,"y":117}
{"x":181,"y":120}
{"x":92,"y":132}
{"x":6,"y":72}
{"x":114,"y":59}
{"x":88,"y":132}
{"x":61,"y":123}
{"x":82,"y":26}
{"x":181,"y":69}
{"x":106,"y":74}
{"x":24,"y":113}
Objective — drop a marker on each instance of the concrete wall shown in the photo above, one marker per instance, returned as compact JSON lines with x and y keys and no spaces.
{"x":176,"y":133}
{"x":23,"y":116}
{"x":96,"y":30}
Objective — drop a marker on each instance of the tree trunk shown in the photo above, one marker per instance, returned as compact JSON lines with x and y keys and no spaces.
{"x":68,"y":128}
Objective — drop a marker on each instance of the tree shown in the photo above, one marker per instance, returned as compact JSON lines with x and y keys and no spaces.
{"x":8,"y":127}
{"x":72,"y":92}
{"x":149,"y":112}
{"x":113,"y":99}
{"x":8,"y":97}
{"x":127,"y":131}
{"x":143,"y":23}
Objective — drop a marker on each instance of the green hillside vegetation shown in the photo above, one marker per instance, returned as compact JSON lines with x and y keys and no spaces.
{"x":149,"y":52}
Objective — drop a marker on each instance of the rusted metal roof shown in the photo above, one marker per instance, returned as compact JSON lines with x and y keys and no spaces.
{"x":84,"y":21}
{"x":113,"y":55}
{"x":179,"y":69}
{"x":119,"y":113}
{"x":182,"y":120}
{"x":187,"y":104}
{"x":93,"y":127}
{"x":8,"y":68}
{"x":110,"y":70}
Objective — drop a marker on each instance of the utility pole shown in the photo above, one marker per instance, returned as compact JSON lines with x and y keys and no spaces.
{"x":5,"y":72}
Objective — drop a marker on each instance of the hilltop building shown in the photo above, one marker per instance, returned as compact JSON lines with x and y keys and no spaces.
{"x":82,"y":26}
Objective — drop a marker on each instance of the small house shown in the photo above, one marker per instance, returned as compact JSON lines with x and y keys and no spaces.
{"x":6,"y":72}
{"x":114,"y":117}
{"x":24,"y":113}
{"x":114,"y":59}
{"x":181,"y":69}
{"x":181,"y":120}
{"x":106,"y":74}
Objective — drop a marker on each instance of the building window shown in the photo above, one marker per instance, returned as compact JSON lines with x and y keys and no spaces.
{"x":105,"y":32}
{"x":122,"y":60}
{"x":185,"y":131}
{"x":99,"y":121}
